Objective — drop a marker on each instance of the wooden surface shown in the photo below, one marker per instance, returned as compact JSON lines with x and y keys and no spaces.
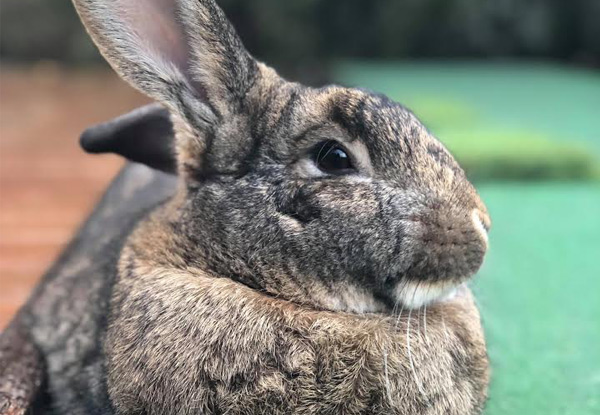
{"x":47,"y":183}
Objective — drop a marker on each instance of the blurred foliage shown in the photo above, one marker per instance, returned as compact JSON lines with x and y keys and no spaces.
{"x":301,"y":36}
{"x":490,"y":152}
{"x":34,"y":30}
{"x":520,"y":155}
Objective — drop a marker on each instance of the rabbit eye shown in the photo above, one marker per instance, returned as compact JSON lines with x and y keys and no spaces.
{"x":330,"y":157}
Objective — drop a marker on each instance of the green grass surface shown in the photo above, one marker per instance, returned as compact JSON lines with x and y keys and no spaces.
{"x":539,"y":292}
{"x":525,"y":121}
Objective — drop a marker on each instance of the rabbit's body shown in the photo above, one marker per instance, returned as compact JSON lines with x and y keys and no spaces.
{"x":309,"y":360}
{"x":306,"y":260}
{"x":247,"y":352}
{"x":66,"y":317}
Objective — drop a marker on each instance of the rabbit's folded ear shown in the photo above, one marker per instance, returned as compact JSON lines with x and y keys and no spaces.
{"x":183,"y":53}
{"x":145,"y":135}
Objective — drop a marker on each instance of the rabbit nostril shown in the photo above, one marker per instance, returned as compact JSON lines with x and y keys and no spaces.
{"x":485,"y":220}
{"x":480,"y":223}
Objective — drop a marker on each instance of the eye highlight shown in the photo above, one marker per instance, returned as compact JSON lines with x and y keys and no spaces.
{"x":330,"y":157}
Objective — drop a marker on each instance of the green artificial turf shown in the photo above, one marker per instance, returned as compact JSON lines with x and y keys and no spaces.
{"x":519,"y":121}
{"x":539,"y":294}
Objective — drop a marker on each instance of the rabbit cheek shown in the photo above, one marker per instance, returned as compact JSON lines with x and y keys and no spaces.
{"x":298,"y":207}
{"x":229,"y":147}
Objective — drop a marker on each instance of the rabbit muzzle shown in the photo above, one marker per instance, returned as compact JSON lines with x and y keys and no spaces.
{"x":449,"y":246}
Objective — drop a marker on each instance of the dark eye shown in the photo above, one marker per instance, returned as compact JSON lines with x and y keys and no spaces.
{"x":330,"y":157}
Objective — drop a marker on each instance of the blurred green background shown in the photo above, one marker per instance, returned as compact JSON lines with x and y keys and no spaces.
{"x":512,"y":87}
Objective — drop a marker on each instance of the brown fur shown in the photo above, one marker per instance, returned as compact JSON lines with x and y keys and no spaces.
{"x":21,"y":370}
{"x":184,"y":342}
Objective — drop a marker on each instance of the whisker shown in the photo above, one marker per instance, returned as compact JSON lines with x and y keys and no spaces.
{"x":425,"y":316}
{"x":401,"y":309}
{"x":387,"y":377}
{"x":395,"y":308}
{"x":425,"y":323}
{"x":419,"y":321}
{"x":410,"y":358}
{"x":444,"y":324}
{"x":398,"y":317}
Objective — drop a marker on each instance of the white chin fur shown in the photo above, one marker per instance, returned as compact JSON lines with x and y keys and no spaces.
{"x":352,"y":299}
{"x":416,"y":294}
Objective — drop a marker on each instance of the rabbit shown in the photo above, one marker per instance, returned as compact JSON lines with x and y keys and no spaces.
{"x":312,"y":255}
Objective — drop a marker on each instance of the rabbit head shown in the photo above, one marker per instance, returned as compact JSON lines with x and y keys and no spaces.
{"x":332,"y":196}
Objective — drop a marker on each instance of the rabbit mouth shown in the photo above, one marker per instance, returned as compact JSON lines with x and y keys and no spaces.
{"x":415,"y":294}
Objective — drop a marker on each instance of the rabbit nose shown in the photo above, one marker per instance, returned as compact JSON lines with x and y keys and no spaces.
{"x":452,"y":245}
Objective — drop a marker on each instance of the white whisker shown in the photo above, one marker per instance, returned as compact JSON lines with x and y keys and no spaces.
{"x":387,"y":377}
{"x":425,"y":317}
{"x":444,"y":324}
{"x":425,"y":323}
{"x":410,"y":358}
{"x":419,"y":321}
{"x":398,"y":299}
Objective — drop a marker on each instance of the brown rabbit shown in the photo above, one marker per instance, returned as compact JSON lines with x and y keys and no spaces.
{"x":309,"y":259}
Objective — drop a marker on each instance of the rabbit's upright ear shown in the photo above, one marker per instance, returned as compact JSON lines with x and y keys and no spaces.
{"x":183,"y":53}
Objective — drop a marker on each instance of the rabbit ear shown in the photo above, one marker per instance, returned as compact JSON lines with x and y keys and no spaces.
{"x":145,"y":135}
{"x":183,"y":53}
